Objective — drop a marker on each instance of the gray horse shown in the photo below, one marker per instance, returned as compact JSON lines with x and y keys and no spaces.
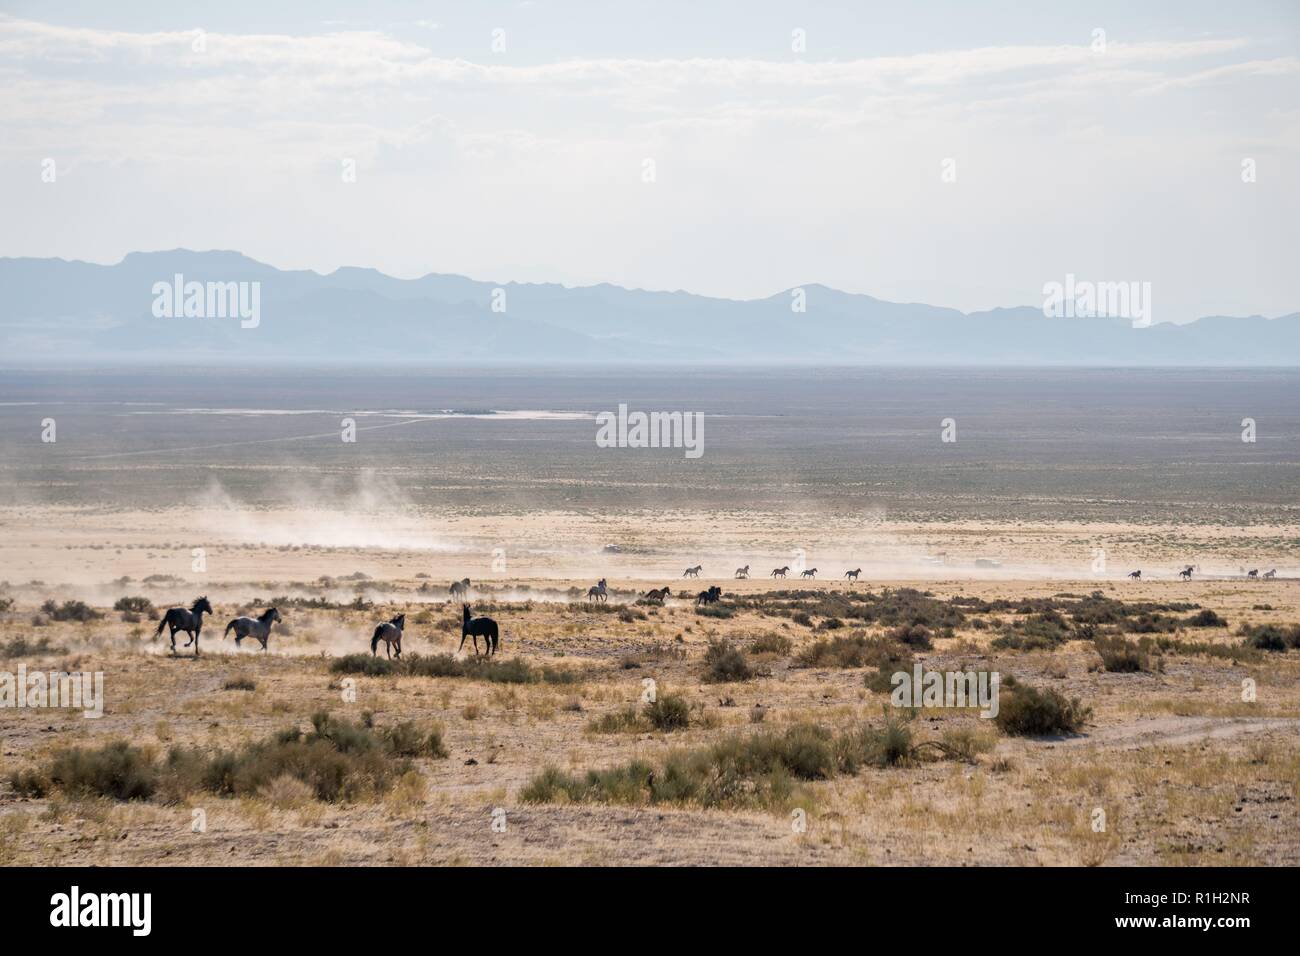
{"x":259,"y":627}
{"x":390,"y":632}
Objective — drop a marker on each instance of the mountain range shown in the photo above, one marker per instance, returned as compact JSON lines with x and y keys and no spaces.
{"x":55,"y":310}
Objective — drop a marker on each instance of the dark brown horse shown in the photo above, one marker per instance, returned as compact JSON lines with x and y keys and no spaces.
{"x":477,"y":627}
{"x":191,"y":622}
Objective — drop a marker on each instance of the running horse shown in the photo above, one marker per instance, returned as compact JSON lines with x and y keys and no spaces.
{"x":258,"y":627}
{"x":390,"y":632}
{"x":191,"y":622}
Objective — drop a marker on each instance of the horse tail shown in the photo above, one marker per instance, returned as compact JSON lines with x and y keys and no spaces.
{"x":161,"y":625}
{"x":374,"y":641}
{"x":228,"y":627}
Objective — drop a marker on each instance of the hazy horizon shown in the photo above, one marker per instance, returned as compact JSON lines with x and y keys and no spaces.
{"x":941,"y":154}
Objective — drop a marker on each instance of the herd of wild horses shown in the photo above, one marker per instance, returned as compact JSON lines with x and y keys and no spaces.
{"x":190,"y":620}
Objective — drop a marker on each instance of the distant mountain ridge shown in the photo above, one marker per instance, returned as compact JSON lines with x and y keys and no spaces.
{"x":55,"y":309}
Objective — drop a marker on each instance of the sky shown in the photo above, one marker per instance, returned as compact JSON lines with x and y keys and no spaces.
{"x":958,"y":154}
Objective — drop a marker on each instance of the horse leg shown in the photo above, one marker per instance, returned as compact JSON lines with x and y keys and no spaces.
{"x":462,"y":643}
{"x":173,"y":636}
{"x":196,"y":643}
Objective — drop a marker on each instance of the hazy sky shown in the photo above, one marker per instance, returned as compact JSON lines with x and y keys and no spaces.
{"x":773,"y":167}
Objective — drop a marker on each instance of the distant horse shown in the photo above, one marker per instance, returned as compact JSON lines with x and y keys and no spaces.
{"x":477,"y":627}
{"x":853,"y":575}
{"x":259,"y":627}
{"x":597,"y":593}
{"x":1269,"y":575}
{"x":1135,"y":575}
{"x":458,"y":588}
{"x":657,"y":595}
{"x":780,"y":572}
{"x":1186,"y":573}
{"x":742,"y":572}
{"x":191,"y":622}
{"x":390,"y":632}
{"x":1253,"y":573}
{"x":693,"y":572}
{"x":710,"y":596}
{"x":810,"y":573}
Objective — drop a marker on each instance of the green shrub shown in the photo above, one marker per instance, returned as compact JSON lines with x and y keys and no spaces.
{"x":1030,"y":712}
{"x":723,"y":663}
{"x":1119,"y":656}
{"x":916,"y":636}
{"x":337,"y":760}
{"x":855,"y":650}
{"x":512,"y":671}
{"x":625,"y":720}
{"x":759,"y":770}
{"x":70,"y":611}
{"x":1205,"y":618}
{"x":134,"y":605}
{"x":1270,"y":637}
{"x":715,"y":610}
{"x":363,"y":664}
{"x":668,"y":712}
{"x":1046,"y":630}
{"x":22,"y":647}
{"x":407,"y":739}
{"x":771,"y":643}
{"x":117,"y":770}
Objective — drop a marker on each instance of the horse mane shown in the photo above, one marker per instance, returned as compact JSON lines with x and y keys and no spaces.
{"x":265,"y":615}
{"x":197,"y":602}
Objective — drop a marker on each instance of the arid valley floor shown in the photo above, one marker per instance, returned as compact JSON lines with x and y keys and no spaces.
{"x":1181,"y":768}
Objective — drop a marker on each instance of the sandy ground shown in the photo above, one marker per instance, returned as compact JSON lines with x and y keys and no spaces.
{"x":1184,"y":770}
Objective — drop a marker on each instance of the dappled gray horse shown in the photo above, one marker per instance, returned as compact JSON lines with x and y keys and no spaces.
{"x":259,"y":627}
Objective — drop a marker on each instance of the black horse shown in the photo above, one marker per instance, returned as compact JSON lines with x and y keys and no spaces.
{"x":711,"y":596}
{"x":191,"y":622}
{"x":477,"y":627}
